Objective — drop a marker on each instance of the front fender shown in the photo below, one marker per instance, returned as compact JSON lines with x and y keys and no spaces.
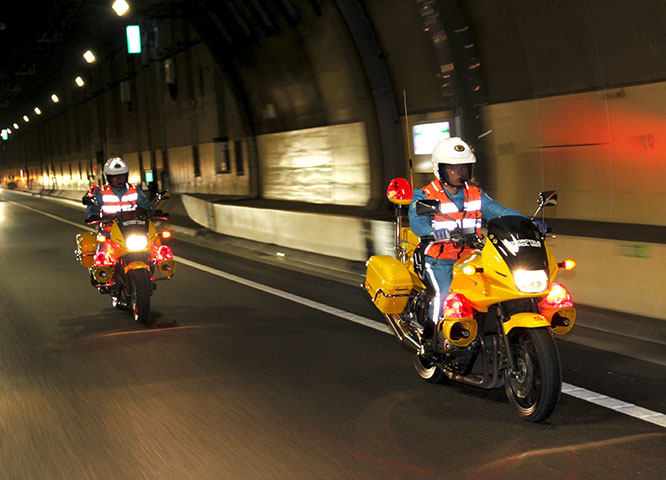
{"x":525,"y":320}
{"x":136,"y":265}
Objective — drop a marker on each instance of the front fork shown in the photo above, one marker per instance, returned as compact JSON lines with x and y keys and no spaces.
{"x":503,"y":317}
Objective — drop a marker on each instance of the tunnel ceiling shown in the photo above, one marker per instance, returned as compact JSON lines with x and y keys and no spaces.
{"x":526,"y":48}
{"x":43,"y":42}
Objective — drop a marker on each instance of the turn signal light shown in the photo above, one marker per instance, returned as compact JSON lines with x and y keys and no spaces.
{"x":166,"y":234}
{"x":101,"y":238}
{"x":567,"y":264}
{"x":471,"y":270}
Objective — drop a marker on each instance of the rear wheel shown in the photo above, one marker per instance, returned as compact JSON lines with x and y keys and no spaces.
{"x":427,"y":371}
{"x":535,"y":388}
{"x":140,"y":287}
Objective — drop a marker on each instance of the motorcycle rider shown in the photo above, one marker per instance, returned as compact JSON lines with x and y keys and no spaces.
{"x":462,"y":206}
{"x":117,"y":195}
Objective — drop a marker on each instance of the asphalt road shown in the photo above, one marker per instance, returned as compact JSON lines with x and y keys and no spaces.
{"x":249,"y":383}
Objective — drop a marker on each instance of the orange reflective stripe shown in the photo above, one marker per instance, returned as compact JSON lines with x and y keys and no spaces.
{"x":128,"y":199}
{"x":470,"y":216}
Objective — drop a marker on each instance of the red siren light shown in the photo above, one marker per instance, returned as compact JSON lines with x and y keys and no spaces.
{"x":456,"y":306}
{"x":399,"y":191}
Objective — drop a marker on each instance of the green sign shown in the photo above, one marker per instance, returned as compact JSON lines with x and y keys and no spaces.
{"x":133,"y":39}
{"x":148,"y":176}
{"x":5,"y":135}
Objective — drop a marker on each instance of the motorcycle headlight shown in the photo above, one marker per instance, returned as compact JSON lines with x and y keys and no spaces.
{"x":136,"y":242}
{"x":531,"y":281}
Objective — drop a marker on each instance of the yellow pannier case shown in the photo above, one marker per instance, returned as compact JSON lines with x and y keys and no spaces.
{"x":86,"y":246}
{"x":388,"y":283}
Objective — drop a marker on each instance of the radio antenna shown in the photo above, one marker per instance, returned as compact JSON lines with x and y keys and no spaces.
{"x":409,"y":147}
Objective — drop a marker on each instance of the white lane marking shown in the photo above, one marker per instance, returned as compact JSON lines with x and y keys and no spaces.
{"x":289,"y":296}
{"x":602,"y":400}
{"x":578,"y":392}
{"x":614,"y":404}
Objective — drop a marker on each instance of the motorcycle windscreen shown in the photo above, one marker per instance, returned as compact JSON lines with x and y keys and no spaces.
{"x":519,"y":243}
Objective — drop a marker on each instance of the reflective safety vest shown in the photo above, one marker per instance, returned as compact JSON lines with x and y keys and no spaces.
{"x":113,"y":204}
{"x":451,"y":218}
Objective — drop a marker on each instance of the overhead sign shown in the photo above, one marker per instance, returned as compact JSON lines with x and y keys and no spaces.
{"x":133,"y":39}
{"x":428,"y":135}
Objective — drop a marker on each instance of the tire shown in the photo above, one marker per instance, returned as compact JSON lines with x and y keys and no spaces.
{"x":534,"y":393}
{"x":427,"y":371}
{"x":140,"y":287}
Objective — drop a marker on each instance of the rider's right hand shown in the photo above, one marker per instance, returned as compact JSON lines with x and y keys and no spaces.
{"x":441,"y":235}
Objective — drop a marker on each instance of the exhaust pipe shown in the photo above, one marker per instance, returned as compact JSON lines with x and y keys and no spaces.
{"x":405,"y":338}
{"x":102,"y":274}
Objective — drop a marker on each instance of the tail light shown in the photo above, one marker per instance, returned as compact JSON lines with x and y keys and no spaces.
{"x":557,"y":297}
{"x":456,"y":306}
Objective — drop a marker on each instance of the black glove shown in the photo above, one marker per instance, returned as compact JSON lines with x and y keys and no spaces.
{"x":457,"y":235}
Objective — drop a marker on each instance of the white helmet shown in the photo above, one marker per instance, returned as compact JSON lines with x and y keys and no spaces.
{"x":115,"y":166}
{"x":451,"y":151}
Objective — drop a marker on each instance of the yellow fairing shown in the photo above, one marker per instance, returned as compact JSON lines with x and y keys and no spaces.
{"x":526,"y":320}
{"x":493,"y":281}
{"x":136,"y":266}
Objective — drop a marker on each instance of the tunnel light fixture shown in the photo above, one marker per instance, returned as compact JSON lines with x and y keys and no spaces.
{"x":54,"y":98}
{"x":38,"y":111}
{"x":89,"y":56}
{"x":26,"y":119}
{"x":120,"y":7}
{"x":9,"y":130}
{"x":16,"y":127}
{"x":79,"y":81}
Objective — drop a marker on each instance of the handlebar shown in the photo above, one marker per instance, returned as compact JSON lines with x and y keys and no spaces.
{"x":458,"y":238}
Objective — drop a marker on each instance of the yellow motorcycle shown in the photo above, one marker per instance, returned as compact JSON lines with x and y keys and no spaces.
{"x":127,"y":256}
{"x":496,"y":326}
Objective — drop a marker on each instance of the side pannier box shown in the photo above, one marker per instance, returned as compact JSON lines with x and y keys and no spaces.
{"x":86,"y":246}
{"x":388,"y":283}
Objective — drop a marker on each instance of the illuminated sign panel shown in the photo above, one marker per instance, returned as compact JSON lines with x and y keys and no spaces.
{"x":133,"y":39}
{"x":428,"y":135}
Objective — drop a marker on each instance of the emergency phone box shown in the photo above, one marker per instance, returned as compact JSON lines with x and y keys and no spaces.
{"x":388,"y":283}
{"x":86,"y":246}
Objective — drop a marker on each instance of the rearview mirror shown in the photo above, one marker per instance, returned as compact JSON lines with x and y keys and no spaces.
{"x":427,"y":207}
{"x":548,"y":198}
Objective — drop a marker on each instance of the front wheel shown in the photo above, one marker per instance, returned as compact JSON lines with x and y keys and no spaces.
{"x":140,"y":287}
{"x":534,"y":389}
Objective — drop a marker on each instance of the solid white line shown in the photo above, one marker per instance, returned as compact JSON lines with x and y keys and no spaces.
{"x":288,"y":296}
{"x":578,"y":392}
